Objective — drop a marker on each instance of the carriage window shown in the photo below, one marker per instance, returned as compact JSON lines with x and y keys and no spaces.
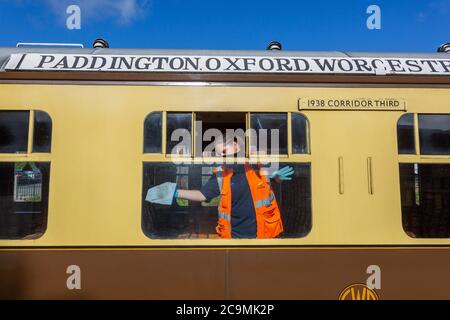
{"x":42,"y":133}
{"x":425,"y":197}
{"x":14,"y":131}
{"x":153,"y":133}
{"x":178,"y":135}
{"x":204,"y":200}
{"x":299,"y":126}
{"x":405,"y":134}
{"x":23,"y":199}
{"x":271,"y":133}
{"x":165,"y":217}
{"x":267,"y":133}
{"x":434,"y":134}
{"x":24,"y":185}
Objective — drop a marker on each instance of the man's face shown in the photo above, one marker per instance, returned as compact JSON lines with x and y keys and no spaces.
{"x":227,"y":149}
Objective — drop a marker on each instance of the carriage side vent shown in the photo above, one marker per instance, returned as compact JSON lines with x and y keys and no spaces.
{"x":444,"y":48}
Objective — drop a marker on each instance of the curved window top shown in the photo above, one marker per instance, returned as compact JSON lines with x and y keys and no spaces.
{"x":405,"y":134}
{"x":15,"y":131}
{"x":42,"y":133}
{"x":300,"y":136}
{"x":153,"y":133}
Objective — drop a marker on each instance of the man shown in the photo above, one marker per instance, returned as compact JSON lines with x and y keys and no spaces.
{"x":247,"y":207}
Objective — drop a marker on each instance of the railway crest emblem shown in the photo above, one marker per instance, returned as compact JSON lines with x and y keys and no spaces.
{"x":358,"y":291}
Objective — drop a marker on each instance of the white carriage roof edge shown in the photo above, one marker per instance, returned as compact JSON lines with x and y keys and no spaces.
{"x":5,"y":53}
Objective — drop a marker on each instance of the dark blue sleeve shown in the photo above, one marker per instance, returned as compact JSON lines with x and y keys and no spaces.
{"x":211,"y":189}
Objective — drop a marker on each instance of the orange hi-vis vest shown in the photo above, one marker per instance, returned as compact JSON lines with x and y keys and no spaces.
{"x":268,"y":217}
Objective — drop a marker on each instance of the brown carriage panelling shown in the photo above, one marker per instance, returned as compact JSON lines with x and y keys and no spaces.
{"x":116,"y":274}
{"x":420,"y":273}
{"x":322,"y":274}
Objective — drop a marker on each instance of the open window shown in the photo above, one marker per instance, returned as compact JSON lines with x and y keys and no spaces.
{"x":214,"y":126}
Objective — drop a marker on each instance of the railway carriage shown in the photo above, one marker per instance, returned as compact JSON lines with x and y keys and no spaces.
{"x":84,"y":133}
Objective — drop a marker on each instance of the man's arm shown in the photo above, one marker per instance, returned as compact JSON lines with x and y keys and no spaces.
{"x":208,"y":191}
{"x":193,"y":195}
{"x":166,"y":192}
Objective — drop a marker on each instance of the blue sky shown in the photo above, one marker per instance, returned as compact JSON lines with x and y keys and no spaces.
{"x":406,"y":25}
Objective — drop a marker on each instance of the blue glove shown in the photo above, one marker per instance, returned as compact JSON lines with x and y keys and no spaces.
{"x":283,"y":174}
{"x":162,"y":194}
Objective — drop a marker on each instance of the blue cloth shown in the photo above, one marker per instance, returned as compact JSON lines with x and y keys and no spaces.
{"x":243,"y":214}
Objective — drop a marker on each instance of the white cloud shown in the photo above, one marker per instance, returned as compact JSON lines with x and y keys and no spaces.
{"x":434,"y":9}
{"x":122,"y":11}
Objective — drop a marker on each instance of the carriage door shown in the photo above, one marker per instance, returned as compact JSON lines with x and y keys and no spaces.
{"x":355,"y":191}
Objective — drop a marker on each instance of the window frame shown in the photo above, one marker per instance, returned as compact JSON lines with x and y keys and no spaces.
{"x":192,"y":133}
{"x":162,"y":131}
{"x":306,"y":165}
{"x":290,"y":157}
{"x":248,"y":157}
{"x":30,"y":139}
{"x":418,"y":133}
{"x":417,"y":158}
{"x":414,"y":133}
{"x":30,"y":156}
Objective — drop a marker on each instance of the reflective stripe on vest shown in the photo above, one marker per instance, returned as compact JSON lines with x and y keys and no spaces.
{"x":224,"y":215}
{"x":266,"y":202}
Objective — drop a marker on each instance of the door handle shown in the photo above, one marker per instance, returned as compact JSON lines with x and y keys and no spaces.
{"x":369,"y":175}
{"x":341,"y":174}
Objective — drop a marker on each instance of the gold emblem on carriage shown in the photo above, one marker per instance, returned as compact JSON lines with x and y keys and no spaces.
{"x":358,"y":291}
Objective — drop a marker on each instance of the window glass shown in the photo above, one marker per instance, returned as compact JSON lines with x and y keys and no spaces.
{"x":42,"y":135}
{"x":271,"y":133}
{"x":434,"y":133}
{"x":23,"y":199}
{"x":153,"y":133}
{"x":405,"y":134}
{"x":14,"y":131}
{"x":179,"y":133}
{"x":425,"y":197}
{"x":182,"y":219}
{"x":299,"y":133}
